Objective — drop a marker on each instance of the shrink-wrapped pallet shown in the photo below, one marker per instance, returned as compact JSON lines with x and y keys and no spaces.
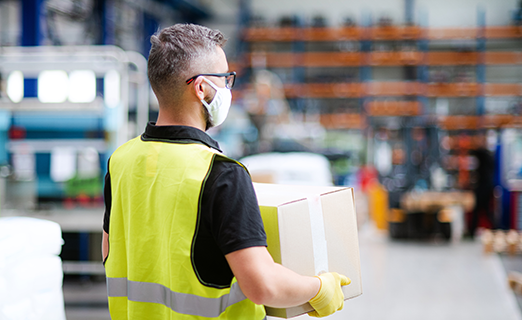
{"x":31,"y":274}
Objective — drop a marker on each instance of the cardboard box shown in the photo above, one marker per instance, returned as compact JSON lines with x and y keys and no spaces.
{"x":311,"y":230}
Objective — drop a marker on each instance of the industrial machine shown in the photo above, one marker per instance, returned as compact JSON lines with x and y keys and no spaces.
{"x":63,"y":110}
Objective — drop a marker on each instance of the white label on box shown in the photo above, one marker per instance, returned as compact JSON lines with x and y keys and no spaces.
{"x":318,"y":235}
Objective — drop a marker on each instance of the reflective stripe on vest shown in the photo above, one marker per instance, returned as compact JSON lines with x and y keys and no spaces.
{"x":179,"y":302}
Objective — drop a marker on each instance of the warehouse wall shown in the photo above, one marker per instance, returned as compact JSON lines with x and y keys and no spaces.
{"x":226,"y":19}
{"x":445,"y":13}
{"x":438,"y":13}
{"x":9,"y":22}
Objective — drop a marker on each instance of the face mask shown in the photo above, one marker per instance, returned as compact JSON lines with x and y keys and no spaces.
{"x":219,"y":106}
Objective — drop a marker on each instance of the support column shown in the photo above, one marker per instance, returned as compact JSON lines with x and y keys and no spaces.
{"x":31,"y":16}
{"x":150,"y":26}
{"x":481,"y":68}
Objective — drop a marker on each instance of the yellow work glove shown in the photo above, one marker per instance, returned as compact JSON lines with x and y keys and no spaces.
{"x":330,"y":297}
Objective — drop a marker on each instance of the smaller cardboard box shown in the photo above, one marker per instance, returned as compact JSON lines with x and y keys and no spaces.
{"x":311,"y":230}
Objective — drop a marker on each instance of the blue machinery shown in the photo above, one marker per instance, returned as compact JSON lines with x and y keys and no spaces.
{"x":40,"y":137}
{"x":47,"y":142}
{"x":42,"y":141}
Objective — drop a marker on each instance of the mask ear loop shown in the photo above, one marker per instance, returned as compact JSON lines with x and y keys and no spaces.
{"x":207,"y":104}
{"x":215,"y":87}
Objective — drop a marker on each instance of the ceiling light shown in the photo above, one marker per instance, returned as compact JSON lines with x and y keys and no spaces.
{"x":15,"y":86}
{"x":82,"y":86}
{"x":53,"y":86}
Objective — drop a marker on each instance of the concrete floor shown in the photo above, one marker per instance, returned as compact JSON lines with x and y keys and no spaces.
{"x":401,"y":280}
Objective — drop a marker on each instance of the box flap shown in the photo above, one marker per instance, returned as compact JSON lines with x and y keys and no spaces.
{"x":276,"y":195}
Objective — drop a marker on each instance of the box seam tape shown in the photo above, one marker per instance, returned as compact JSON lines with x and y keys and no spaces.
{"x":319,"y":247}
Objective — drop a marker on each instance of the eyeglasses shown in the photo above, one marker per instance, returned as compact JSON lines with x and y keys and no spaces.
{"x":230,"y":78}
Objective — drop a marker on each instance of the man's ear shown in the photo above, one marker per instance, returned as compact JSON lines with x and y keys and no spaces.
{"x":199,"y":88}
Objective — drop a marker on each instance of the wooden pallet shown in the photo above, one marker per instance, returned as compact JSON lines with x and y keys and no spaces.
{"x":501,"y":241}
{"x":515,"y":281}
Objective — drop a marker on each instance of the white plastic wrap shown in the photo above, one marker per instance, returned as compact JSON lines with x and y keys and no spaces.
{"x":31,"y":273}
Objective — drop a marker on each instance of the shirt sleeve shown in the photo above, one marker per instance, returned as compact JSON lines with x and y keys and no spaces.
{"x":232,"y":213}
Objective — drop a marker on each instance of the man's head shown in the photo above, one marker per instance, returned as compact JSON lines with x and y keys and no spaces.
{"x":180,"y":52}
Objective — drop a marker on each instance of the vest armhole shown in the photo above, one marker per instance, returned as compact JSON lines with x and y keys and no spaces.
{"x":198,"y":223}
{"x":227,"y":159}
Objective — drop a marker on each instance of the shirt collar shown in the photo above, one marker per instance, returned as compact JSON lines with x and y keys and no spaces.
{"x":176,"y":133}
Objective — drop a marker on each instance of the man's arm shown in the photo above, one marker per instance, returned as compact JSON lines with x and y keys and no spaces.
{"x":238,"y":228}
{"x":105,"y":245}
{"x":268,"y":283}
{"x":106,"y":217}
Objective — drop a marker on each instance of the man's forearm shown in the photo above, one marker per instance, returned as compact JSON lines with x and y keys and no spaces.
{"x":105,"y":245}
{"x":265,"y":282}
{"x":290,"y":288}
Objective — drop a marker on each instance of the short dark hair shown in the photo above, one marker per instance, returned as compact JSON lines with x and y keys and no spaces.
{"x":176,"y":54}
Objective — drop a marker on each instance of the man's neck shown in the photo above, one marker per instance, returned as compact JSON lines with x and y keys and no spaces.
{"x":166,"y":117}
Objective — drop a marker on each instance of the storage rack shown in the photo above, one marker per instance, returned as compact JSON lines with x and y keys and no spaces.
{"x":409,"y":96}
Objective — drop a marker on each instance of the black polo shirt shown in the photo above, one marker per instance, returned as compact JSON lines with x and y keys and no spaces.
{"x":229,"y":219}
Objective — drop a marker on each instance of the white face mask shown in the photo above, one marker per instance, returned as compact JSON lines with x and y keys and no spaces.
{"x":219,"y":106}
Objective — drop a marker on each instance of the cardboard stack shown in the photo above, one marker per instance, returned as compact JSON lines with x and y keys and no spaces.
{"x":311,"y":230}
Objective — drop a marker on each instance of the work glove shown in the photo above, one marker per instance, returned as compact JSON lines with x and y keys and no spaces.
{"x":330,"y":297}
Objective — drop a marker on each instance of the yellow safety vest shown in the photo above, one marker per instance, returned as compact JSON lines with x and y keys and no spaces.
{"x":156,"y":190}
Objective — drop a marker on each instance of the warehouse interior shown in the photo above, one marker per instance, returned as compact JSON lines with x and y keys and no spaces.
{"x":415,"y":104}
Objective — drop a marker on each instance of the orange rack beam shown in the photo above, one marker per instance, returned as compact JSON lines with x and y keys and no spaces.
{"x":309,"y":59}
{"x":478,"y":122}
{"x":503,"y":32}
{"x":353,"y":90}
{"x":293,"y":90}
{"x":390,"y":58}
{"x":271,"y":34}
{"x":459,"y":122}
{"x":321,"y":34}
{"x":393,"y":88}
{"x":331,"y":34}
{"x":493,"y":58}
{"x":451,"y":33}
{"x":324,"y":90}
{"x":385,"y":58}
{"x":282,"y":60}
{"x":515,"y":121}
{"x":502,"y":89}
{"x":378,"y":33}
{"x":332,"y":59}
{"x":393,"y":33}
{"x":462,"y":89}
{"x":302,"y":34}
{"x":452,"y":58}
{"x":342,"y":121}
{"x":498,"y":120}
{"x":393,"y":108}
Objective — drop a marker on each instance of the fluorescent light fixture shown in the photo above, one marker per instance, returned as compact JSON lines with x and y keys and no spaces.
{"x":111,"y":89}
{"x":82,"y":86}
{"x":15,"y":86}
{"x":53,"y":86}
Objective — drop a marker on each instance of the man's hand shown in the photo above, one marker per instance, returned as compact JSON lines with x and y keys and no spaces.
{"x":330,"y":297}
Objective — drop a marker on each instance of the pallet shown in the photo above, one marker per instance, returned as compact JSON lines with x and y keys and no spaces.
{"x":501,"y":241}
{"x":515,"y":282}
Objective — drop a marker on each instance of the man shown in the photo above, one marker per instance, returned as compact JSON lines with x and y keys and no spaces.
{"x":183,"y":237}
{"x":483,"y":185}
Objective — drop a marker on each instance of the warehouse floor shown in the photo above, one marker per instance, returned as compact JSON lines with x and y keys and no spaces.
{"x":402,"y":280}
